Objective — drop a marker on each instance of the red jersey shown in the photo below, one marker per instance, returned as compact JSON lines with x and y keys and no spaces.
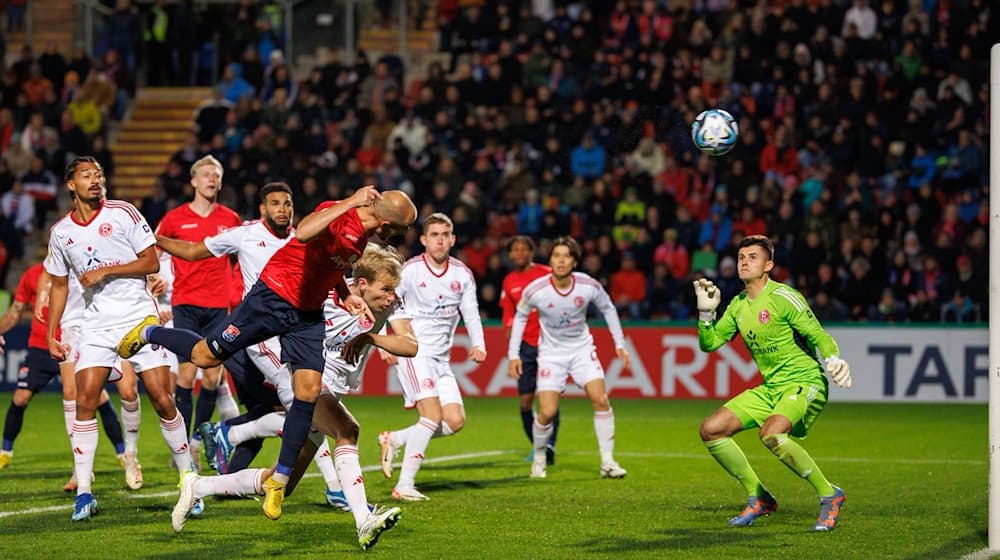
{"x":27,"y":291}
{"x":203,"y":283}
{"x":513,"y":286}
{"x":326,"y":258}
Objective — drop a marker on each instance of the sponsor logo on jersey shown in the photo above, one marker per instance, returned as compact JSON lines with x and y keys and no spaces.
{"x":91,"y":255}
{"x":230,"y":333}
{"x":764,"y":317}
{"x":339,"y":261}
{"x":105,"y":229}
{"x":188,"y":226}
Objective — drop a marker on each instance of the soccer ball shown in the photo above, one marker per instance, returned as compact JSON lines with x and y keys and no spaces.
{"x":714,"y":132}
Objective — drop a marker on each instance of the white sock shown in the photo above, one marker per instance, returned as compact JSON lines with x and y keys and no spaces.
{"x":240,"y":483}
{"x":444,"y":430}
{"x":326,"y":466}
{"x":226,"y":403}
{"x":348,"y":466}
{"x":420,"y":435}
{"x":400,"y":437}
{"x":84,"y":449}
{"x":540,"y":437}
{"x":131,"y":416}
{"x":69,"y":416}
{"x":266,"y":426}
{"x":604,"y":427}
{"x":175,"y":434}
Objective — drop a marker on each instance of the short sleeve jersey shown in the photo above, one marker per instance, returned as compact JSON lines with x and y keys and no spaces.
{"x":513,"y":288}
{"x":780,"y":331}
{"x":435,"y":299}
{"x":325,"y":259}
{"x":253,"y":243}
{"x":199,"y":282}
{"x":27,"y":293}
{"x":115,"y":235}
{"x":562,"y":315}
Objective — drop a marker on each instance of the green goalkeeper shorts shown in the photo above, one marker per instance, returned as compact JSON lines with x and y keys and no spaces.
{"x":800,"y":403}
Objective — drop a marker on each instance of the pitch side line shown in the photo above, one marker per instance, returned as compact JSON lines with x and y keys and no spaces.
{"x":982,"y":554}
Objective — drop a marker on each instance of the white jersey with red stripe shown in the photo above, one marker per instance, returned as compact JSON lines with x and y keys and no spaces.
{"x":435,"y":298}
{"x":562,"y":315}
{"x":343,"y":326}
{"x":253,"y":243}
{"x":115,"y":235}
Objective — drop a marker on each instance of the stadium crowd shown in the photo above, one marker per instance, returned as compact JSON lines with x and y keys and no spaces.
{"x":862,"y":151}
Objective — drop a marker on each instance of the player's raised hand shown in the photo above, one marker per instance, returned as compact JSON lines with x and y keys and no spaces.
{"x":515,"y":368}
{"x":708,"y":295}
{"x":839,"y":371}
{"x":354,"y":348}
{"x":390,"y":359}
{"x":364,"y":196}
{"x":625,"y":356}
{"x":477,"y":354}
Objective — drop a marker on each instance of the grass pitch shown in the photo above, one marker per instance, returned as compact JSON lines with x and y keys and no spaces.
{"x":915,"y":477}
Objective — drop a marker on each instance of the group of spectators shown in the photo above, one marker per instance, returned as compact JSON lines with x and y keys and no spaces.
{"x":52,"y":108}
{"x":862,"y":150}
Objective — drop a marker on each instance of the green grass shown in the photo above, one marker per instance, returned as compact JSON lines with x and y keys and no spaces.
{"x":915,"y":477}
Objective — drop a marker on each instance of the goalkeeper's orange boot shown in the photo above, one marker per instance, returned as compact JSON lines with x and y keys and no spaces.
{"x":757,"y":506}
{"x":829,"y":510}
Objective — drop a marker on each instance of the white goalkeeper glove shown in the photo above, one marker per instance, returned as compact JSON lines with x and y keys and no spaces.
{"x":708,"y":296}
{"x":839,"y":371}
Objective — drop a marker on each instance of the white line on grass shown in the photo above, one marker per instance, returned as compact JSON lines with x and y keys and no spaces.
{"x":981,"y":554}
{"x":369,"y":468}
{"x":900,"y":461}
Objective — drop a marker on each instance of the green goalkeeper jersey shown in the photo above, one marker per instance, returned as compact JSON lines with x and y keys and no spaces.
{"x":780,"y":331}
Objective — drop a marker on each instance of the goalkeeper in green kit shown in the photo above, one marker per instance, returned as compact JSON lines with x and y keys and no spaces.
{"x":782,"y":335}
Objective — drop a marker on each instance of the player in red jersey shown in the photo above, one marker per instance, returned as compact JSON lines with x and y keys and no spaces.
{"x":521,"y":250}
{"x":287,"y":303}
{"x":39,"y":369}
{"x":200,"y":300}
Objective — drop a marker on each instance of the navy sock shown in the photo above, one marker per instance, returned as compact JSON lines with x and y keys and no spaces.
{"x":294,"y":434}
{"x":555,"y":429}
{"x":527,"y":421}
{"x":12,"y":425}
{"x":206,"y":406}
{"x":182,"y":397}
{"x":178,"y":341}
{"x":244,"y":454}
{"x":112,"y":426}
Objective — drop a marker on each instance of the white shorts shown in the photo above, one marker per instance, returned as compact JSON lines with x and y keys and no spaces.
{"x":422,"y":377}
{"x":70,"y":339}
{"x":553,"y":371}
{"x":266,"y":357}
{"x":99,"y":348}
{"x":339,"y":380}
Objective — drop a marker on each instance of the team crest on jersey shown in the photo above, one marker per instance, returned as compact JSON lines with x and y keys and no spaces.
{"x":764,"y":317}
{"x":230,"y":333}
{"x":578,"y":301}
{"x":456,"y":286}
{"x":365,"y":323}
{"x":105,"y":229}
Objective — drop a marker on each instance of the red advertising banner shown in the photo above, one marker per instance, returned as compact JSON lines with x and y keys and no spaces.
{"x":666,"y":363}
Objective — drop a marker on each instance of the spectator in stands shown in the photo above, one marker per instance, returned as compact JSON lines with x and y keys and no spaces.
{"x":43,"y":186}
{"x":19,"y":208}
{"x":628,"y":288}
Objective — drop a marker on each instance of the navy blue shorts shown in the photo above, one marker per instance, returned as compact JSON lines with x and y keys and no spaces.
{"x":249,"y":382}
{"x":529,"y":369}
{"x":38,"y":371}
{"x":264,"y":314}
{"x":202,"y":320}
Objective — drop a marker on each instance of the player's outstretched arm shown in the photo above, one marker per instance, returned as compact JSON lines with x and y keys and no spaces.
{"x":313,"y":224}
{"x":402,"y":342}
{"x":183,"y":249}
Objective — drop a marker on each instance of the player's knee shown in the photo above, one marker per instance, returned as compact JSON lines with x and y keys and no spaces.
{"x":773,"y":440}
{"x":455,"y":421}
{"x":202,"y":357}
{"x":711,"y":430}
{"x":349,"y":434}
{"x":163,"y":404}
{"x":22,"y":398}
{"x":602,"y":404}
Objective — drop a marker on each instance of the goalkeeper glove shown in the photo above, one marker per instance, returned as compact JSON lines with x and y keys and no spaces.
{"x":839,"y":371}
{"x":708,"y":296}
